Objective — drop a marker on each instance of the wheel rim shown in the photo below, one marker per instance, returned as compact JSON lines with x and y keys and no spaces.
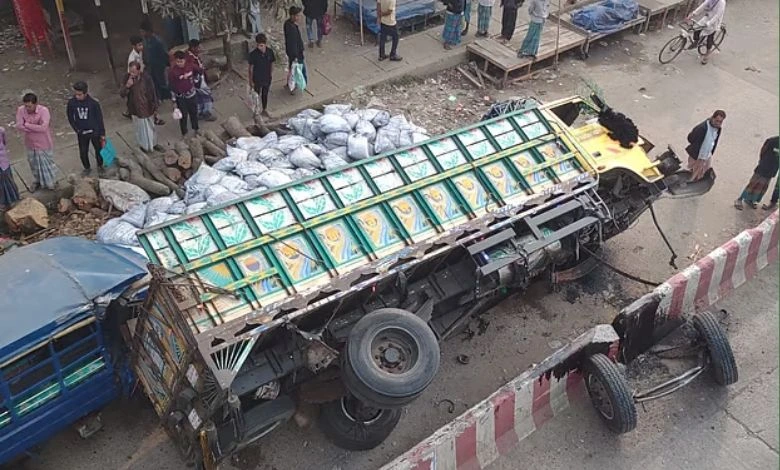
{"x":672,"y":49}
{"x":395,"y":351}
{"x":359,"y":412}
{"x":600,"y":397}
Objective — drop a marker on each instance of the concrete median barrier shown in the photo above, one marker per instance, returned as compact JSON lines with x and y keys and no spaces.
{"x":495,"y":425}
{"x":696,"y":288}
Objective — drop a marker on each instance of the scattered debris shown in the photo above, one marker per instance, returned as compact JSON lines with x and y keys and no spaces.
{"x":27,"y":216}
{"x":463,"y":359}
{"x":750,"y":68}
{"x":450,"y":404}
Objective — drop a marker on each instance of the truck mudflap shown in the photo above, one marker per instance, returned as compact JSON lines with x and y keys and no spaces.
{"x":679,"y":185}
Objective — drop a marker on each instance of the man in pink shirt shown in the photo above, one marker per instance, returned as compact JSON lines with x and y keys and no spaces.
{"x":33,"y":120}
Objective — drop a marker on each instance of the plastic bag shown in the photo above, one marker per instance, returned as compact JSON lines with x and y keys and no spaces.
{"x":108,"y":152}
{"x":418,"y":137}
{"x":117,"y":231}
{"x":298,"y":77}
{"x":236,"y":152}
{"x":158,"y":218}
{"x":267,"y":155}
{"x":206,"y":175}
{"x":301,"y":173}
{"x":304,"y":158}
{"x":176,"y":115}
{"x":340,"y":152}
{"x":309,"y":114}
{"x":234,"y":184}
{"x":331,"y":123}
{"x":327,"y":24}
{"x":368,"y":114}
{"x":357,"y":147}
{"x":316,"y":149}
{"x":177,"y":208}
{"x":121,"y":194}
{"x":336,"y":139}
{"x":249,"y":168}
{"x":381,"y":119}
{"x":135,"y":216}
{"x":221,"y":198}
{"x":291,"y":78}
{"x":337,"y":108}
{"x":352,"y":119}
{"x":228,"y":163}
{"x":298,"y":125}
{"x":273,"y":178}
{"x":160,"y":204}
{"x":384,"y":141}
{"x":331,"y":161}
{"x":398,"y":122}
{"x":191,"y":209}
{"x":289,"y":143}
{"x":253,"y":182}
{"x":251,"y":144}
{"x":366,"y":129}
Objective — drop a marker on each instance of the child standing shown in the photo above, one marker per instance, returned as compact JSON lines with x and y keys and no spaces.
{"x":9,"y":193}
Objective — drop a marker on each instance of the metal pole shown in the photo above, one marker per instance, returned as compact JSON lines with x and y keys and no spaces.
{"x":360,"y":8}
{"x":104,"y":33}
{"x":65,"y":33}
{"x":557,"y":36}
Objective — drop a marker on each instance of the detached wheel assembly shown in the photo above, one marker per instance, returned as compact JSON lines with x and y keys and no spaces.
{"x":722,"y":363}
{"x":352,"y":425}
{"x":609,"y":394}
{"x":390,"y":359}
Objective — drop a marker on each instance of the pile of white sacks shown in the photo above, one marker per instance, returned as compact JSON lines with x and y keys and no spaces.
{"x":319,"y":141}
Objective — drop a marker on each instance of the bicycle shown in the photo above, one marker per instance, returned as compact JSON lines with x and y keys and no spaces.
{"x":685,"y":40}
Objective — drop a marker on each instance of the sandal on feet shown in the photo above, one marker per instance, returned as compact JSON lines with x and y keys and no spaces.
{"x":738,"y":204}
{"x":769,"y":207}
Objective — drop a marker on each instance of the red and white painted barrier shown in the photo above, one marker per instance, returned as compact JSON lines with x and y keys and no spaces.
{"x":494,"y":426}
{"x":727,"y":267}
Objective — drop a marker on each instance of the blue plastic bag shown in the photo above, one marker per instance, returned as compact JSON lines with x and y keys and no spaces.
{"x":108,"y":153}
{"x":298,"y":76}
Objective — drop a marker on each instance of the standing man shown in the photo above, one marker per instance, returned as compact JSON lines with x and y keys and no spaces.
{"x":702,"y":142}
{"x":453,"y":19}
{"x":768,"y":164}
{"x":261,"y":64}
{"x":182,"y":81}
{"x":86,"y":119}
{"x":314,"y":11}
{"x":537,"y":12}
{"x":711,"y":13}
{"x":293,"y":42}
{"x":509,"y":18}
{"x":138,"y":87}
{"x":155,"y":62}
{"x":33,"y":121}
{"x":484,"y":12}
{"x":136,"y":55}
{"x":203,"y":92}
{"x":388,"y":27}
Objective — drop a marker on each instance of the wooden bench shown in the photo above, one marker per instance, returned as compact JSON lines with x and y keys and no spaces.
{"x":662,"y":8}
{"x":499,"y":56}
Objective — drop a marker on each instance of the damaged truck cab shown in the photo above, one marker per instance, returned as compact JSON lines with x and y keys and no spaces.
{"x":337,"y":289}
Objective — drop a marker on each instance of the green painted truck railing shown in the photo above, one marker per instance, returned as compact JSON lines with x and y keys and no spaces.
{"x":271,"y":245}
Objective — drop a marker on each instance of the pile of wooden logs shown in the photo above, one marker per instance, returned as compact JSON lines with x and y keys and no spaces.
{"x":165,"y":170}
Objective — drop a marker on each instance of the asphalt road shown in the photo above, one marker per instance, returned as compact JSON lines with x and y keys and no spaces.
{"x":700,"y":427}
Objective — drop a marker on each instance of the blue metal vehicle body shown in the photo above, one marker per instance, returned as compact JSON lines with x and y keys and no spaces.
{"x":60,"y":358}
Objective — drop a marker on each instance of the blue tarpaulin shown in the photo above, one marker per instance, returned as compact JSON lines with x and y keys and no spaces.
{"x":50,"y":283}
{"x":607,"y":16}
{"x":405,"y":11}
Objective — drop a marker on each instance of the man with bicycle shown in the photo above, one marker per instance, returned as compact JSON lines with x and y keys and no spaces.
{"x":710,"y":16}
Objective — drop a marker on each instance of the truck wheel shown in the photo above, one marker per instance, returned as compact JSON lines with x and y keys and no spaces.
{"x":352,"y":425}
{"x":391,"y":357}
{"x":609,"y":394}
{"x":724,"y":367}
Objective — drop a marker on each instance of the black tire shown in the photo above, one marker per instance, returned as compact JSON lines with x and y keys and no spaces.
{"x":352,"y":425}
{"x":722,"y":364}
{"x":720,"y":35}
{"x":672,"y":49}
{"x":609,"y":394}
{"x":382,"y":336}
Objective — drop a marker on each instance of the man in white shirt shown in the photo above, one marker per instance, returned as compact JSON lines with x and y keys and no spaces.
{"x":710,"y":16}
{"x":385,"y":12}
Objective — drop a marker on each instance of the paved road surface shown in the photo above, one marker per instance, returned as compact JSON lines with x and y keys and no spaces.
{"x":665,"y":101}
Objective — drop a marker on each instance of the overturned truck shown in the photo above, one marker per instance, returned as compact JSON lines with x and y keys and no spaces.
{"x":337,"y":289}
